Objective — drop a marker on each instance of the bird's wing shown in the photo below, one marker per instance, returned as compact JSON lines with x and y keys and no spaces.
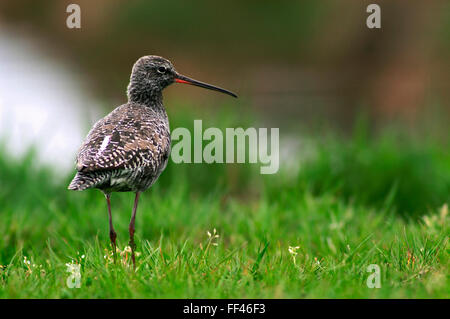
{"x":126,"y":138}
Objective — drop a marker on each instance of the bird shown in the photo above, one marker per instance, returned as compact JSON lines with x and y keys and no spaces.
{"x":128,"y":149}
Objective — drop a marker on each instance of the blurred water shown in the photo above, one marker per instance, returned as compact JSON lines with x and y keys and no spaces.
{"x":42,"y":102}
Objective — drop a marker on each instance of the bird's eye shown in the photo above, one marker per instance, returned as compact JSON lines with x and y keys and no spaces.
{"x":161,"y":69}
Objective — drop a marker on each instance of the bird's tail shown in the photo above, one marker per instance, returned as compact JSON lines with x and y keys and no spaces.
{"x":82,"y":181}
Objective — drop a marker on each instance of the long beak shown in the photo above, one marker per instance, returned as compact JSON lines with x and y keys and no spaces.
{"x":184,"y":79}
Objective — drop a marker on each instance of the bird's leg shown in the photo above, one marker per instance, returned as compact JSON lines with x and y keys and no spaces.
{"x":131,"y":229}
{"x":112,"y":233}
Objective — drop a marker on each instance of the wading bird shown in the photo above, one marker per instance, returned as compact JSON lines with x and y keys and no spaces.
{"x":127,"y":150}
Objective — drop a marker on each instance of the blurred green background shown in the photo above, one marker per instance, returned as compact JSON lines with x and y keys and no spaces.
{"x":363,"y":117}
{"x":288,"y":59}
{"x":311,"y":68}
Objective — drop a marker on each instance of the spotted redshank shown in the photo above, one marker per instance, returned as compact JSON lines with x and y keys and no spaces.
{"x":127,"y":150}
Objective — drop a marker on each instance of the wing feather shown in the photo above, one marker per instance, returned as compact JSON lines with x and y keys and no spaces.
{"x":130,"y":136}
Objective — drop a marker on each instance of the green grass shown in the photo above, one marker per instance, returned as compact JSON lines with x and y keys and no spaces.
{"x":358,"y":201}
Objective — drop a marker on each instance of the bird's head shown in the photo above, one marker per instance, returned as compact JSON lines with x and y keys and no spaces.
{"x":151,"y":74}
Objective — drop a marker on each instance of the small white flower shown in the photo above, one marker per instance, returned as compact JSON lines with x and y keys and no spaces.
{"x":212,"y":236}
{"x":293,"y":250}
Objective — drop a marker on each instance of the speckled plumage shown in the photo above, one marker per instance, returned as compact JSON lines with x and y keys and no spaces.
{"x":125,"y":151}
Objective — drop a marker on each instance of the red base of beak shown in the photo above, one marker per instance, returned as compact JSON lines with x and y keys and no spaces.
{"x":182,"y":81}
